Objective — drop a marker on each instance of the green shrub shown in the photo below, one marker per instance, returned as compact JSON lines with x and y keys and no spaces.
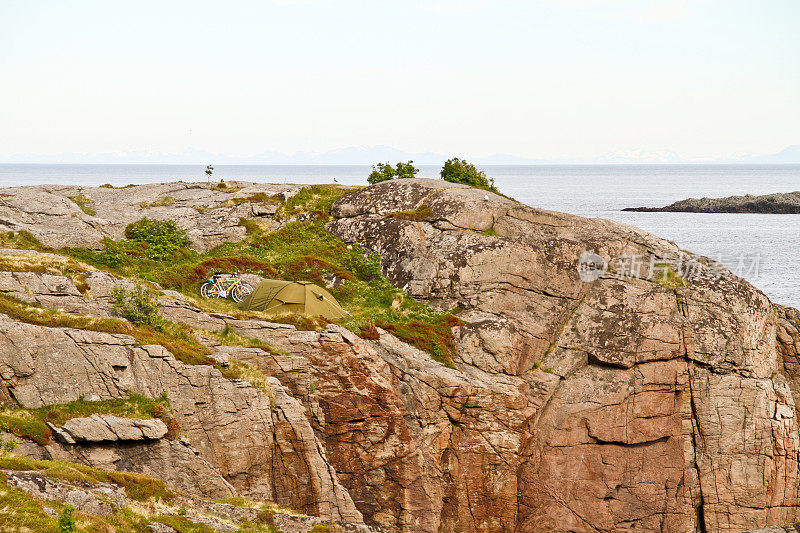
{"x":385,"y":172}
{"x":162,"y":237}
{"x":66,"y":522}
{"x":139,"y":305}
{"x":457,"y":170}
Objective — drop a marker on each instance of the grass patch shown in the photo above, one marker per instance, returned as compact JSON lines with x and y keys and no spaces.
{"x":109,"y":186}
{"x":139,"y":487}
{"x":59,"y":266}
{"x":223,"y":187}
{"x":229,"y":337}
{"x":258,"y":198}
{"x":668,"y":277}
{"x":22,"y":240}
{"x":25,"y":427}
{"x":21,"y":512}
{"x":423,"y":212}
{"x":253,"y":375}
{"x":161,"y":202}
{"x":83,"y":202}
{"x":181,"y":524}
{"x":316,"y":199}
{"x":135,"y":406}
{"x":490,"y":232}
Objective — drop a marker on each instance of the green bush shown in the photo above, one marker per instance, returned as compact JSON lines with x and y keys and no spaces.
{"x":457,"y":170}
{"x":406,"y":170}
{"x":139,"y":305}
{"x":162,"y":237}
{"x":66,"y":522}
{"x":114,"y":252}
{"x":385,"y":171}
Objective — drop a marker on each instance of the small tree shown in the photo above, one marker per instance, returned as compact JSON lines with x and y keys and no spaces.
{"x":209,"y":171}
{"x":406,"y":170}
{"x":457,"y":170}
{"x":381,"y":172}
{"x":139,"y":305}
{"x":66,"y":521}
{"x":385,"y":171}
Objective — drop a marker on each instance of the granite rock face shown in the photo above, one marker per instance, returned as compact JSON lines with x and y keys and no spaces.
{"x":648,"y":391}
{"x":671,"y":410}
{"x":210,"y":215}
{"x":262,"y":452}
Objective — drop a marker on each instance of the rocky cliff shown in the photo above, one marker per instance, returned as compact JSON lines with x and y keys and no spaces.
{"x":603,"y":380}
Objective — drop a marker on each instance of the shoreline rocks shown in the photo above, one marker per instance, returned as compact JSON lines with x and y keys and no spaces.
{"x":775,"y":204}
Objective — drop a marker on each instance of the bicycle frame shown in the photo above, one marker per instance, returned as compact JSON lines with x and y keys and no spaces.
{"x":222,"y":287}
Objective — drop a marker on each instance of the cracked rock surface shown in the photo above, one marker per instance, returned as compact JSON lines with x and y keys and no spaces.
{"x":209,"y":215}
{"x":673,"y":406}
{"x":622,"y":403}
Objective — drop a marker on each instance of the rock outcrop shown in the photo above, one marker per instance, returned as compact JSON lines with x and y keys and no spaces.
{"x":778,"y":203}
{"x":604,"y":380}
{"x":98,"y":498}
{"x":108,"y":428}
{"x":278,"y":459}
{"x":670,"y":411}
{"x":83,"y":216}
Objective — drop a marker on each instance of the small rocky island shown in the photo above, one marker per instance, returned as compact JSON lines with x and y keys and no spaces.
{"x":775,"y":204}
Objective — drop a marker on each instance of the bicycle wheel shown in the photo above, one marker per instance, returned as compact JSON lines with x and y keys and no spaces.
{"x":204,"y":288}
{"x":241,"y":291}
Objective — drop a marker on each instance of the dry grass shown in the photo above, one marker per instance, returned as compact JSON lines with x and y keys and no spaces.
{"x":161,"y":202}
{"x":176,"y":338}
{"x":224,"y":187}
{"x":63,"y":266}
{"x":83,"y":202}
{"x":139,"y":487}
{"x":258,"y":198}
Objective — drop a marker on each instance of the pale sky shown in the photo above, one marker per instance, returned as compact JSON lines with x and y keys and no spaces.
{"x":559,"y":78}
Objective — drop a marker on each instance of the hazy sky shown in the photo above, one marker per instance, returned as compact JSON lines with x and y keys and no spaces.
{"x":560,"y":78}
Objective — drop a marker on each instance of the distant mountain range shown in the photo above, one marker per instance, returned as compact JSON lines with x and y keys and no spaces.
{"x":374,"y":154}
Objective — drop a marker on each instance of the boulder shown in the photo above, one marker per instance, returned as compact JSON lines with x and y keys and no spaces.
{"x":100,"y":428}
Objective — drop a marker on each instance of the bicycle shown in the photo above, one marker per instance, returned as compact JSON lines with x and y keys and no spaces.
{"x":222,"y":286}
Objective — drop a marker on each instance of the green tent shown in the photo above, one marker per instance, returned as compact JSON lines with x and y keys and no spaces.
{"x":277,"y":297}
